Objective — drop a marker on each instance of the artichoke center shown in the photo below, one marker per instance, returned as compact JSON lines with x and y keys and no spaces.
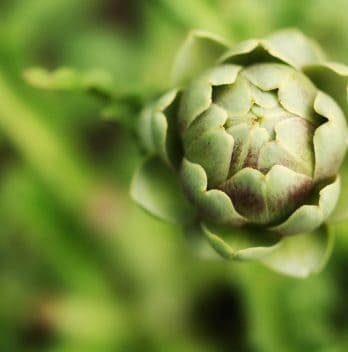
{"x":267,"y":135}
{"x":250,"y":134}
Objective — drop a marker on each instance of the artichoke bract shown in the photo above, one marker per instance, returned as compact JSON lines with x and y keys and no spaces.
{"x":245,"y":150}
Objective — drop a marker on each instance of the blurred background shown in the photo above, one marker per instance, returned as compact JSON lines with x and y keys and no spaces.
{"x":81,"y":267}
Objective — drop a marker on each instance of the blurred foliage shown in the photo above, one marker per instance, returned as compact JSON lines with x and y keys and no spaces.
{"x":81,"y":268}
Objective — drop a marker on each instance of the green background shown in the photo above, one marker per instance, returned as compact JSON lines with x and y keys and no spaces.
{"x":81,"y":267}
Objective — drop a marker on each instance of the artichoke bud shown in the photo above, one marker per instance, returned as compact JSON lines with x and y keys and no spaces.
{"x":256,"y":137}
{"x":253,"y":142}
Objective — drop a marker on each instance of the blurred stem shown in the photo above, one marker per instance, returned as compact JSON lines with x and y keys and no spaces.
{"x":24,"y":18}
{"x":86,"y":289}
{"x":96,"y":206}
{"x":65,"y":173}
{"x":73,"y":265}
{"x":191,"y":14}
{"x":261,"y":297}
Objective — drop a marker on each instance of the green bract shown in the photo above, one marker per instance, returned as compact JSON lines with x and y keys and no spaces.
{"x":245,"y":150}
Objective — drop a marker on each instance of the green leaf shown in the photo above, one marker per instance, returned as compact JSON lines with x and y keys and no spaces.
{"x":156,"y":189}
{"x":68,"y":79}
{"x":330,"y":139}
{"x":301,"y":255}
{"x":297,"y":94}
{"x":263,"y":199}
{"x":332,"y":78}
{"x":309,"y":217}
{"x":195,"y":100}
{"x":267,"y":76}
{"x":240,"y":243}
{"x":207,"y":133}
{"x":199,"y":52}
{"x":199,"y":243}
{"x":246,"y":53}
{"x":213,"y":204}
{"x":157,"y":129}
{"x":341,"y":210}
{"x":289,"y":46}
{"x":198,"y":96}
{"x":293,"y":47}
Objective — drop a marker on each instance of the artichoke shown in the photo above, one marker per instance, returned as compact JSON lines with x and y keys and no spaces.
{"x":244,"y":150}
